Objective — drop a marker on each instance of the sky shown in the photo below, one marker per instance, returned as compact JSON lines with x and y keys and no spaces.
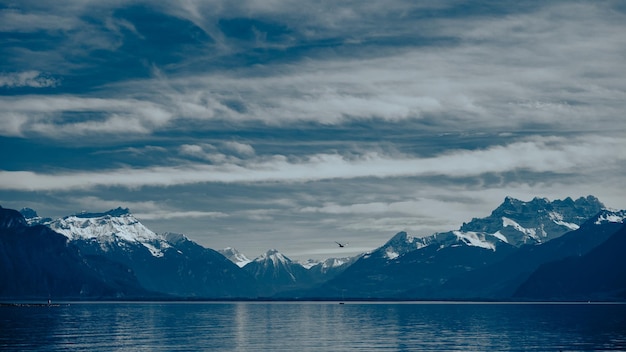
{"x":261,"y":124}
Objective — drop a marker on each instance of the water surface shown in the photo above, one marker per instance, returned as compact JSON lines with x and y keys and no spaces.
{"x":313,"y":326}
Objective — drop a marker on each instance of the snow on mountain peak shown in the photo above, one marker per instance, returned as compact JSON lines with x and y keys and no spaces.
{"x":611,"y":216}
{"x":119,"y":211}
{"x":32,"y":218}
{"x":538,"y":220}
{"x":309,"y":263}
{"x":558,"y":219}
{"x":514,"y":222}
{"x":274,"y":256}
{"x":235,"y":256}
{"x":402,"y":243}
{"x":111,"y":226}
{"x":506,"y":222}
{"x":337,"y":262}
{"x":175,"y":238}
{"x":474,"y":239}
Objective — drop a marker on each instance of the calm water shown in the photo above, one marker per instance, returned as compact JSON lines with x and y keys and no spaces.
{"x":313,"y":327}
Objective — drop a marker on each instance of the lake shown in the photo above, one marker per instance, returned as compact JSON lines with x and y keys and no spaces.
{"x":313,"y":326}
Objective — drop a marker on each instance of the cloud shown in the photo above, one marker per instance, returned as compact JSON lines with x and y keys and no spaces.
{"x":535,"y":155}
{"x":51,"y":116}
{"x":522,"y":70}
{"x":143,"y":210}
{"x":303,"y":120}
{"x":32,"y":79}
{"x":12,"y":20}
{"x":97,"y":204}
{"x":195,"y":149}
{"x":211,"y":153}
{"x":242,"y":149}
{"x":510,"y":78}
{"x":168,"y":215}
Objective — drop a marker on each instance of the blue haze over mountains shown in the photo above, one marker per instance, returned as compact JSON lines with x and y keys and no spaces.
{"x":540,"y":249}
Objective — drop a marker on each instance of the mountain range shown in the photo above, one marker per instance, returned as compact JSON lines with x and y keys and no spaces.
{"x":559,"y":250}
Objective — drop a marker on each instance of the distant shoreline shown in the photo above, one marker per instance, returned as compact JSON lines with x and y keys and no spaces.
{"x":32,"y":304}
{"x":349,"y":301}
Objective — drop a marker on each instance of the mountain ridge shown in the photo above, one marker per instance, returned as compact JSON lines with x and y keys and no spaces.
{"x":495,"y":253}
{"x":36,"y":262}
{"x":169,"y":263}
{"x":417,"y":266}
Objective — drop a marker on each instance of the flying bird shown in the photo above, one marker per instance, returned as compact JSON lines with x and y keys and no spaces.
{"x":341,"y":245}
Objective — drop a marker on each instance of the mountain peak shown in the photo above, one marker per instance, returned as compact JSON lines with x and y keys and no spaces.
{"x":514,"y":222}
{"x":271,"y":252}
{"x":32,"y":218}
{"x":175,"y":237}
{"x":10,"y":218}
{"x":117,"y":212}
{"x":538,"y":220}
{"x":512,"y":205}
{"x":402,"y":243}
{"x":29,"y":213}
{"x":108,"y":226}
{"x":609,"y":216}
{"x":273,"y":256}
{"x":235,"y":256}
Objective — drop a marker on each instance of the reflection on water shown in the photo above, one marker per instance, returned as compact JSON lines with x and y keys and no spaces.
{"x":306,"y":326}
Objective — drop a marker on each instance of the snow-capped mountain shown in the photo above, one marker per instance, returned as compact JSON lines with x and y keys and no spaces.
{"x":418,"y":266}
{"x":235,"y":256}
{"x":328,"y":265}
{"x":611,"y":216}
{"x":274,"y":272}
{"x":502,"y":278}
{"x":38,"y":263}
{"x":402,"y":243}
{"x":110,"y":229}
{"x":514,"y":223}
{"x":276,"y":267}
{"x":539,"y":220}
{"x":597,"y":274}
{"x":32,"y":218}
{"x":114,"y":254}
{"x":169,"y":263}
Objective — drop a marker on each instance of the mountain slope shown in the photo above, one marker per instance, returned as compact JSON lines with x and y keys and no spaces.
{"x":274,"y":272}
{"x":410,"y":267}
{"x":235,"y":256}
{"x":168,"y":263}
{"x":111,"y":229}
{"x":38,"y":263}
{"x":537,"y":221}
{"x":599,"y":274}
{"x":501,"y":279}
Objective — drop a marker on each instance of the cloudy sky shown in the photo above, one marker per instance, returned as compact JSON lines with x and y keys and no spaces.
{"x":288,"y":124}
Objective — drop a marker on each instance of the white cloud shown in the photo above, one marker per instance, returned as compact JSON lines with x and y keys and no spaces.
{"x":510,"y":78}
{"x":32,"y":79}
{"x":18,"y":21}
{"x":97,"y":204}
{"x":168,"y":215}
{"x":242,"y":149}
{"x":192,"y":149}
{"x":143,"y":210}
{"x":535,"y":155}
{"x":45,"y":115}
{"x":504,"y":72}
